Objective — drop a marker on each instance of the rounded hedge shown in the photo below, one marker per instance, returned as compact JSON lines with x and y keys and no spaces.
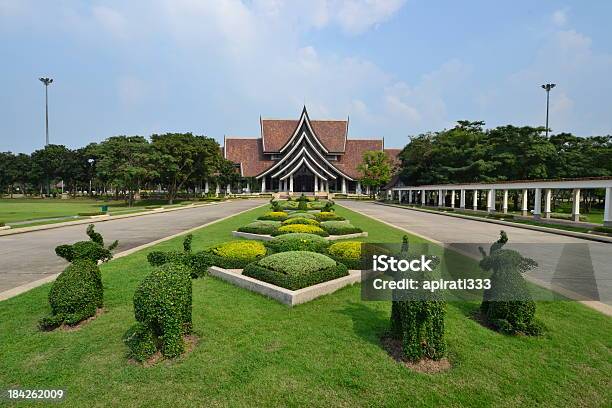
{"x":300,"y":220}
{"x":328,"y":216}
{"x":274,"y":216}
{"x":236,"y":254}
{"x":295,"y":269}
{"x":260,"y":227}
{"x":347,"y":252}
{"x":301,"y":215}
{"x":307,"y":229}
{"x":340,"y":227}
{"x":75,"y":295}
{"x":297,"y":242}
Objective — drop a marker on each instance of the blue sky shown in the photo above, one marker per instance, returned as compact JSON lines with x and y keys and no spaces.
{"x":396,"y":67}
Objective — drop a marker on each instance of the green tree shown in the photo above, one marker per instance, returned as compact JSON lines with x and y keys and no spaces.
{"x":375,"y":169}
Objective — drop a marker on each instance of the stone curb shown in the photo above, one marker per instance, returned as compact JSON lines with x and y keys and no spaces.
{"x":593,"y":304}
{"x":282,"y":295}
{"x":581,"y":235}
{"x":262,"y":237}
{"x":31,"y":285}
{"x":100,"y":218}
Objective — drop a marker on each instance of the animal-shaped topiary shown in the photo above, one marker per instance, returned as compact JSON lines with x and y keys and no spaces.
{"x":417,"y":316}
{"x":302,"y":203}
{"x":162,"y":307}
{"x":77,"y":292}
{"x":508,"y":305}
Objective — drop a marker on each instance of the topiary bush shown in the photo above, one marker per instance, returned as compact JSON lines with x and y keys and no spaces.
{"x":508,"y":305}
{"x":295,"y":269}
{"x":346,"y":252}
{"x":301,"y":215}
{"x":297,"y":242}
{"x":300,"y":228}
{"x":162,"y":307}
{"x":236,"y":254}
{"x":417,"y":320}
{"x":302,"y":203}
{"x":77,"y":292}
{"x":300,"y":220}
{"x":340,"y":227}
{"x":197,"y":262}
{"x":328,"y":216}
{"x":274,"y":216}
{"x":261,"y":227}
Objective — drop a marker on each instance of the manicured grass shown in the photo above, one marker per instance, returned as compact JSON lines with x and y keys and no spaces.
{"x":22,"y":209}
{"x":256,"y":352}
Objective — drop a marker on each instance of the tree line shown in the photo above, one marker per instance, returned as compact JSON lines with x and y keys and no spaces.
{"x":469,"y":153}
{"x":120,"y":165}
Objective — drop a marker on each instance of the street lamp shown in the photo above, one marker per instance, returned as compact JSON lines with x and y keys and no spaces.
{"x":46,"y":82}
{"x":91,"y":162}
{"x":547,"y":88}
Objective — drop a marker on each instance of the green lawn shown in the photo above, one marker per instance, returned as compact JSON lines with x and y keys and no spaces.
{"x":23,"y":209}
{"x":254,"y":351}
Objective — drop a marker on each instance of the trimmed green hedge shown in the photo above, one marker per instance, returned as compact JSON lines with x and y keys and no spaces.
{"x":606,"y":230}
{"x":162,"y":307}
{"x":236,"y":254}
{"x":297,"y":242}
{"x":75,"y":295}
{"x":295,"y":269}
{"x":346,"y":252}
{"x":274,"y":216}
{"x":301,"y":220}
{"x":91,"y":214}
{"x":301,"y":228}
{"x":340,"y":227}
{"x":261,"y":227}
{"x":301,"y":215}
{"x":328,"y":216}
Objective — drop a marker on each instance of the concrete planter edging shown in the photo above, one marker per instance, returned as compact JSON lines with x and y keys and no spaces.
{"x":282,"y":295}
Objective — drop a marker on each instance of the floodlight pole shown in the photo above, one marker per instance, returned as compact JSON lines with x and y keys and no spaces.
{"x":547,"y":88}
{"x":46,"y":82}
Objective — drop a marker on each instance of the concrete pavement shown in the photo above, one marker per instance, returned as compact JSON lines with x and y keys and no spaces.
{"x":582,"y":267}
{"x":29,"y":257}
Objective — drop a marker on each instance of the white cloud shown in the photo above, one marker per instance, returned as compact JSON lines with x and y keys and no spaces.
{"x":113,"y":21}
{"x":559,"y":17}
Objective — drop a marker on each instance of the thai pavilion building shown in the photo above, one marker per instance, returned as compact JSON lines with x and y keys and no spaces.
{"x":304,"y":155}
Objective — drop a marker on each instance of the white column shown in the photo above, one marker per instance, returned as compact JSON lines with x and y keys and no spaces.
{"x":358,"y":189}
{"x":422,"y":197}
{"x":218,"y":190}
{"x":547,"y":199}
{"x":343,"y":185}
{"x":206,"y":187}
{"x":475,"y":200}
{"x":607,"y":221}
{"x":263,"y":184}
{"x":491,"y":200}
{"x":409,"y":196}
{"x":316,"y":183}
{"x":576,"y":204}
{"x":291,"y":183}
{"x":248,"y":187}
{"x":228,"y":189}
{"x":505,"y":203}
{"x":440,"y":198}
{"x":462,"y":199}
{"x":327,"y":186}
{"x":524,"y":203}
{"x":452,"y":198}
{"x":537,"y":208}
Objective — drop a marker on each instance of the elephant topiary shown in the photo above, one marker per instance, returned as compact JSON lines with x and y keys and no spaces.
{"x":77,"y":292}
{"x":508,"y":305}
{"x":162,"y":307}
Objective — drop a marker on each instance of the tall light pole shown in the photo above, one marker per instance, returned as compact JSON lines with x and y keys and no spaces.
{"x":46,"y":82}
{"x":547,"y":88}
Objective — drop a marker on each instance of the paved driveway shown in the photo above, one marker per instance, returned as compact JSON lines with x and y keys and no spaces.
{"x":27,"y":257}
{"x":582,"y":266}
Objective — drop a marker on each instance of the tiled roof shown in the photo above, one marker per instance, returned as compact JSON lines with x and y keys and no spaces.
{"x":249,"y":153}
{"x":394,"y":155}
{"x":354,"y":155}
{"x":276,"y":133}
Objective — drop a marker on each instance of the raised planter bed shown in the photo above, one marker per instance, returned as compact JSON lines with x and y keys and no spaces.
{"x":262,"y":237}
{"x":285,"y":296}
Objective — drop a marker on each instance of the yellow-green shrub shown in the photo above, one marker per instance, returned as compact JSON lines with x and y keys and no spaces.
{"x":274,"y":216}
{"x":328,"y":216}
{"x":301,"y":228}
{"x":348,"y":253}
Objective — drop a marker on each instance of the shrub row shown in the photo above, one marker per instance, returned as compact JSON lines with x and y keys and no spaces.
{"x":261,"y":227}
{"x":300,"y":220}
{"x":340,"y":227}
{"x":300,"y":228}
{"x":328,"y":216}
{"x":607,"y":230}
{"x":91,"y":213}
{"x":295,"y":269}
{"x":297,"y":242}
{"x":274,"y":216}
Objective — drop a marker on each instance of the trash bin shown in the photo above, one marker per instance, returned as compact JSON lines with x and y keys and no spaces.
{"x":104,"y":208}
